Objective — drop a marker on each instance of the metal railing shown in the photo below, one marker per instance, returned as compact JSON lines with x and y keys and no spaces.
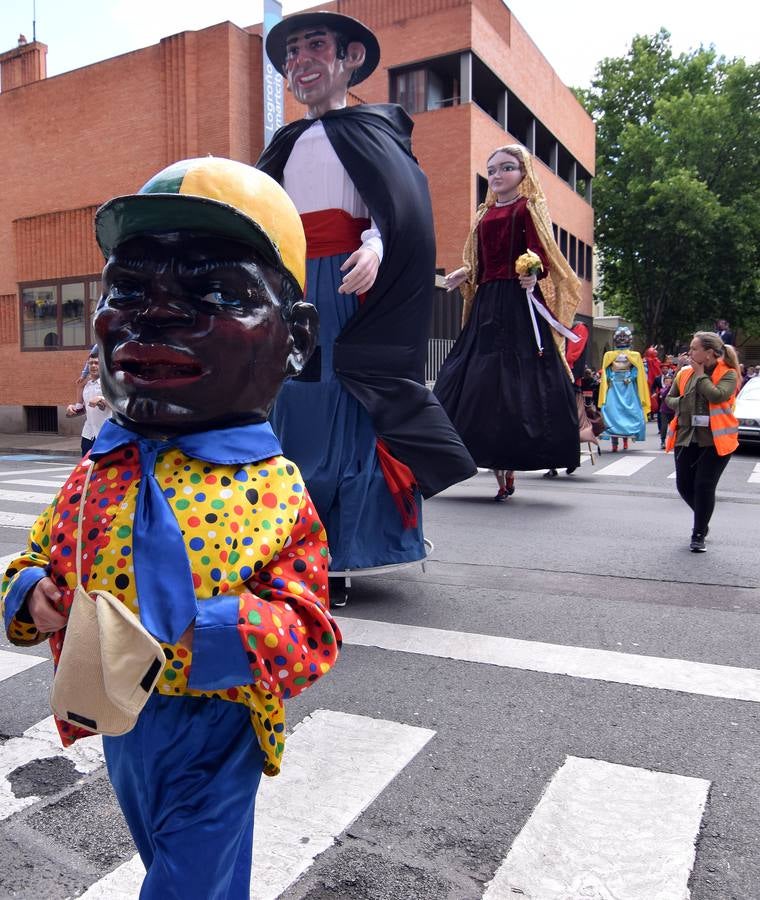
{"x":438,"y":350}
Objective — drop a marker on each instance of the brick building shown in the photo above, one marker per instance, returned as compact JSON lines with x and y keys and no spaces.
{"x":465,"y":69}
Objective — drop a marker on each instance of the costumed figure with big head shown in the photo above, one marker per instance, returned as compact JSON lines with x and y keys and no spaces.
{"x":186,"y":518}
{"x":368,"y":436}
{"x":506,"y":384}
{"x":623,"y":391}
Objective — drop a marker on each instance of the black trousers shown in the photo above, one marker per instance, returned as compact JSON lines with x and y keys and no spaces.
{"x":698,"y":470}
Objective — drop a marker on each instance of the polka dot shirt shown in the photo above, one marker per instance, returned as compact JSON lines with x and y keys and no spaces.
{"x":250,"y":531}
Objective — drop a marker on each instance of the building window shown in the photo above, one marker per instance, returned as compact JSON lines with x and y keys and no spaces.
{"x":563,"y":242}
{"x":544,"y":144}
{"x":430,"y":86}
{"x":572,"y":259}
{"x":481,"y":188}
{"x":488,"y":91}
{"x":410,"y":90}
{"x":519,"y":120}
{"x":57,"y":315}
{"x":589,"y":266}
{"x":581,"y":270}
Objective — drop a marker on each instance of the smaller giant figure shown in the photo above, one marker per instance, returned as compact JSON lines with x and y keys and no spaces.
{"x":623,"y":391}
{"x":506,"y":385}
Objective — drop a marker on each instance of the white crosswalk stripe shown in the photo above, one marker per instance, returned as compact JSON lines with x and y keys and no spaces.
{"x":12,"y":663}
{"x":31,"y":482}
{"x":27,"y":497}
{"x":625,"y":466}
{"x":18,"y":520}
{"x":63,"y":471}
{"x":754,"y":477}
{"x":41,"y":741}
{"x":301,"y":812}
{"x":661,"y":673}
{"x":606,"y":831}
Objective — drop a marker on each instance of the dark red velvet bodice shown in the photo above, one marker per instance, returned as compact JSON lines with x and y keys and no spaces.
{"x":495,"y":234}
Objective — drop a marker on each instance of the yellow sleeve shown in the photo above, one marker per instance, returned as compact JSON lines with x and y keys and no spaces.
{"x":606,"y":361}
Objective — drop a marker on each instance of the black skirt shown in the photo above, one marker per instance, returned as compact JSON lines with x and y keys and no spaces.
{"x":513,"y":408}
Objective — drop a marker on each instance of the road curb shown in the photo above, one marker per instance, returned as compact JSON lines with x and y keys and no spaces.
{"x":74,"y":454}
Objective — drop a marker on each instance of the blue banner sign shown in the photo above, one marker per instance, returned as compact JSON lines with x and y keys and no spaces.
{"x":274,"y":99}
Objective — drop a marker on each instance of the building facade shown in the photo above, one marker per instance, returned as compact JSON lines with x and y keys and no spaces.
{"x":465,"y":70}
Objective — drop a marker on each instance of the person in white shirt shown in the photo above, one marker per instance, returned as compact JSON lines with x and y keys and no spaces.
{"x":93,"y":406}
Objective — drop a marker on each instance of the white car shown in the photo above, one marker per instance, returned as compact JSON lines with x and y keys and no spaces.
{"x":747,"y":411}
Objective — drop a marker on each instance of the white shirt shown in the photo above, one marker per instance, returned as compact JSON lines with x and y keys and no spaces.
{"x":94,"y":415}
{"x":314,"y":179}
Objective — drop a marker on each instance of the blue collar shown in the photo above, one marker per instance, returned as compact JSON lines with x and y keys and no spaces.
{"x":224,"y":446}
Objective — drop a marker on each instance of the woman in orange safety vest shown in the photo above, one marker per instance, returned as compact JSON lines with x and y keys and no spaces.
{"x":704,"y":432}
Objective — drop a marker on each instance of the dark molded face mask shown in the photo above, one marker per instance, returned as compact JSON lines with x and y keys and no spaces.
{"x":194,"y":335}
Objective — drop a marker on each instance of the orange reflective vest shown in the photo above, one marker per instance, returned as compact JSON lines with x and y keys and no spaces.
{"x":723,"y":423}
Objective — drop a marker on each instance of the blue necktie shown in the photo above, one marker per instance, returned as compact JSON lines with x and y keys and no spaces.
{"x":165,"y":592}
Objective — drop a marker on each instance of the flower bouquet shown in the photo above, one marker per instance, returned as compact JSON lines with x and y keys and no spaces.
{"x":528,"y":263}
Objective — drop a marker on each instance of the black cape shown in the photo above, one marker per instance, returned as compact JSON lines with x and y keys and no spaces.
{"x":380,"y":354}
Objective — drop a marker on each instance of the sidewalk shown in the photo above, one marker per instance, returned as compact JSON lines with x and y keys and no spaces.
{"x":44,"y":444}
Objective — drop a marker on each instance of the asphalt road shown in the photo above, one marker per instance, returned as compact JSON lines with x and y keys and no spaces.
{"x":586,"y":563}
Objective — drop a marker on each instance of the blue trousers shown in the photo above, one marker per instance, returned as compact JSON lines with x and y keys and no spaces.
{"x":186,"y":778}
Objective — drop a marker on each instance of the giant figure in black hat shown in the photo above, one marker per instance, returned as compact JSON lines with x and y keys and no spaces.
{"x":369,"y":437}
{"x":187,"y":513}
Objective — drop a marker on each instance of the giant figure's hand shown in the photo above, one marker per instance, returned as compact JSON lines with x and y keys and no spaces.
{"x":455,"y":278}
{"x":527,"y":282}
{"x":42,"y":606}
{"x":362,"y":268}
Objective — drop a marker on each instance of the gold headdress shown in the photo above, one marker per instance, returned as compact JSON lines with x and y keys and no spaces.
{"x":561,"y":288}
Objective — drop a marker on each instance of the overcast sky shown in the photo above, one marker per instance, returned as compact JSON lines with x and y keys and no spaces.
{"x":572,"y":36}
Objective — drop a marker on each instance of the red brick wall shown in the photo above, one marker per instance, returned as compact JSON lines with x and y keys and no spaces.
{"x":56,"y":245}
{"x":70,"y":142}
{"x":8,"y":319}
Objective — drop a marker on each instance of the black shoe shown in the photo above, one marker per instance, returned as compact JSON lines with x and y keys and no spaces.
{"x":502,"y":495}
{"x":510,"y":486}
{"x":570,"y":470}
{"x":338,"y":592}
{"x":552,"y":473}
{"x":697,"y":544}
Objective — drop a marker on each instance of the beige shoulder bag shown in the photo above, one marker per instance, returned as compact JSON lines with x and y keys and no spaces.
{"x":109,"y":663}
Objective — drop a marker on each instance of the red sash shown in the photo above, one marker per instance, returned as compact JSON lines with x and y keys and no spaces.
{"x":332,"y":231}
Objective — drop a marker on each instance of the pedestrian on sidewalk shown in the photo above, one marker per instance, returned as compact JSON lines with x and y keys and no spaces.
{"x":505,"y":384}
{"x":93,"y":405}
{"x":704,"y":432}
{"x":193,"y":519}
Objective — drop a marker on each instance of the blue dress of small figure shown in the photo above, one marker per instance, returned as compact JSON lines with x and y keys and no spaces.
{"x":623,"y":392}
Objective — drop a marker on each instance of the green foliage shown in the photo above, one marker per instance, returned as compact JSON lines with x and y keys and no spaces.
{"x":677,"y":188}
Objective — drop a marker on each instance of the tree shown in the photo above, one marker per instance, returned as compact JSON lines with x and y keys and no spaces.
{"x":677,"y":188}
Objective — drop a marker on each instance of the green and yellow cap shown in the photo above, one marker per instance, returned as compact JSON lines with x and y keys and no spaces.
{"x":214,"y":196}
